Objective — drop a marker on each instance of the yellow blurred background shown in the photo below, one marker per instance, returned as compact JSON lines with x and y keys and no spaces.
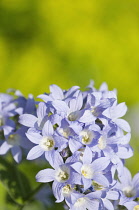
{"x":43,"y":42}
{"x":68,"y":43}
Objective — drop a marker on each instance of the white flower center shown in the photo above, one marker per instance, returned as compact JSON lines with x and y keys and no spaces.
{"x":47,"y":143}
{"x":66,"y":190}
{"x":80,"y":202}
{"x":62,"y":174}
{"x":129,"y":191}
{"x":93,"y":111}
{"x":13,"y":139}
{"x":73,"y":116}
{"x":102,"y":143}
{"x":87,"y":136}
{"x":87,"y":171}
{"x":65,"y":132}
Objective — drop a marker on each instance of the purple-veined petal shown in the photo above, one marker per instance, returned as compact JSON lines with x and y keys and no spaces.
{"x":136,"y":181}
{"x":17,"y":153}
{"x":4,"y":148}
{"x":9,"y":108}
{"x":28,"y":120}
{"x":100,"y":163}
{"x":126,"y":177}
{"x":56,"y":92}
{"x":103,"y":87}
{"x":60,"y":142}
{"x":77,"y":167}
{"x":75,"y":178}
{"x":45,"y":97}
{"x":74,"y":158}
{"x":91,"y":204}
{"x":115,"y":112}
{"x":107,"y":112}
{"x":124,"y":139}
{"x":76,"y":103}
{"x":58,"y":160}
{"x":45,"y":175}
{"x":87,"y":156}
{"x":41,"y":111}
{"x":123,"y":124}
{"x":48,"y":129}
{"x":97,"y":194}
{"x":119,"y":110}
{"x":54,"y":158}
{"x":112,"y":195}
{"x":7,"y":130}
{"x":75,"y":126}
{"x":34,"y":137}
{"x":57,"y":191}
{"x":74,"y":145}
{"x":130,"y":205}
{"x":124,"y":152}
{"x":86,"y":182}
{"x":111,"y":95}
{"x":87,"y":117}
{"x":101,"y":179}
{"x":75,"y":196}
{"x":19,"y":110}
{"x":60,"y":106}
{"x":71,"y":91}
{"x":35,"y":152}
{"x":108,"y":205}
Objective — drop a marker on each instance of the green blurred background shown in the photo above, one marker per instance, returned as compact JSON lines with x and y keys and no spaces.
{"x":68,"y":43}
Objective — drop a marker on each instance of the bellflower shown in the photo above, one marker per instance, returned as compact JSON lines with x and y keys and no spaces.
{"x":129,"y":187}
{"x":45,"y":143}
{"x":83,"y":137}
{"x":89,"y":170}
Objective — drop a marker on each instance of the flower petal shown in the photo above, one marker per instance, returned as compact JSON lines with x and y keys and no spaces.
{"x":46,"y":175}
{"x":100,"y":179}
{"x":57,"y":187}
{"x":27,"y":120}
{"x":41,"y":111}
{"x":108,"y":205}
{"x":33,"y":136}
{"x":76,"y":103}
{"x":100,"y":163}
{"x":35,"y":152}
{"x":60,"y":106}
{"x":4,"y":148}
{"x":56,"y":92}
{"x":74,"y":145}
{"x":17,"y":153}
{"x":77,"y":167}
{"x":54,"y":158}
{"x":123,"y":124}
{"x":86,"y":182}
{"x":124,"y":152}
{"x":87,"y":156}
{"x":48,"y":129}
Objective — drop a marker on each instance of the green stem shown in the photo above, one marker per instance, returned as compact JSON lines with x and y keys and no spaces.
{"x":19,"y":180}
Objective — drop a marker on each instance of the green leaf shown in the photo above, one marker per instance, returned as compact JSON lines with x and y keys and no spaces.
{"x":15,"y":182}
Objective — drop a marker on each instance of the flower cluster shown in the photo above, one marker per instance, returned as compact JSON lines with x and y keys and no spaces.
{"x":82,"y":137}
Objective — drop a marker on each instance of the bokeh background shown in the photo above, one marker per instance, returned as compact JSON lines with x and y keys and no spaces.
{"x":67,"y":43}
